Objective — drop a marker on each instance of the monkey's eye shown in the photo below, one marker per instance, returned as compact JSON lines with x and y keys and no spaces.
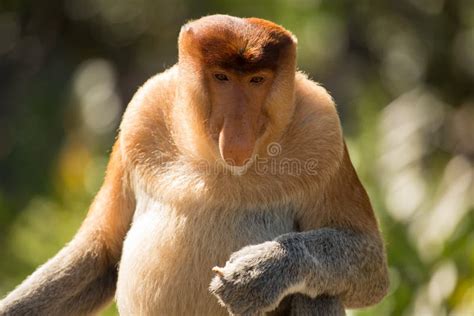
{"x":221,"y":77}
{"x":257,"y":79}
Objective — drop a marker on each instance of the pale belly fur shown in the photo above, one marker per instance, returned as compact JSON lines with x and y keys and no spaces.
{"x":168,"y":255}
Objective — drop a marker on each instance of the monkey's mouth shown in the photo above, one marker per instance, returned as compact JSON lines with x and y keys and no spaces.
{"x":239,"y":170}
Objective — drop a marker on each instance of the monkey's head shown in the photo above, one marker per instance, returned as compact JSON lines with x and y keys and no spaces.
{"x":239,"y":75}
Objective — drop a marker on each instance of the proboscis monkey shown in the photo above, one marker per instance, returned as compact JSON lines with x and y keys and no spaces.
{"x":229,"y":190}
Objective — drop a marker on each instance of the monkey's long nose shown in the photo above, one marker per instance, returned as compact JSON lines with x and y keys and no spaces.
{"x":236,"y":143}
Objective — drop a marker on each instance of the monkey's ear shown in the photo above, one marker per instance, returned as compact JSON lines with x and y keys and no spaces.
{"x":294,"y":39}
{"x":187,"y":29}
{"x":187,"y":41}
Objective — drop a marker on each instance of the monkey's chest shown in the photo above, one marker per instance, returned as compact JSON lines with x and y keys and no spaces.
{"x":168,"y":256}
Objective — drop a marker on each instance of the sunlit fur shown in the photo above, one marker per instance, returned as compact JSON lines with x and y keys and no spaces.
{"x":179,"y":219}
{"x":191,"y":105}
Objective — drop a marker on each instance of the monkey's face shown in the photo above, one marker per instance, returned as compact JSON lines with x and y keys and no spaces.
{"x":237,"y":75}
{"x":238,"y":115}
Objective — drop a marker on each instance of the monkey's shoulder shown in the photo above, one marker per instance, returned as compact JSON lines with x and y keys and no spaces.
{"x":151,"y":102}
{"x":145,"y":124}
{"x":315,"y":130}
{"x":313,"y":104}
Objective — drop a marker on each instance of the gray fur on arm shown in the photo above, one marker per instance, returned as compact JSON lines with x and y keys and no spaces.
{"x":81,"y":278}
{"x":341,"y":263}
{"x":302,"y":305}
{"x":74,"y":282}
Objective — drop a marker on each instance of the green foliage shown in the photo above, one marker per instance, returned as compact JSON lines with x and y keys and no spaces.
{"x":401,"y":72}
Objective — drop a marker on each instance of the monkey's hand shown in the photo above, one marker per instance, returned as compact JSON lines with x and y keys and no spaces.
{"x":256,"y":278}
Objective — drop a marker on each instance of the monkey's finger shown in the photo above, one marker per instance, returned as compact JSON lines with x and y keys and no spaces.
{"x":218,"y":271}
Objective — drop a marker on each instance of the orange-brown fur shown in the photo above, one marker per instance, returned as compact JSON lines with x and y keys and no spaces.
{"x":240,"y":44}
{"x":178,"y":217}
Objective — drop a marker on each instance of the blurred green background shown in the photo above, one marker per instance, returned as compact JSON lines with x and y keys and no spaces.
{"x":402,"y":73}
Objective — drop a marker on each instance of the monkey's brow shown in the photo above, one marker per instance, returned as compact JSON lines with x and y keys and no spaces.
{"x":238,"y":63}
{"x":243,"y":57}
{"x":246,"y":69}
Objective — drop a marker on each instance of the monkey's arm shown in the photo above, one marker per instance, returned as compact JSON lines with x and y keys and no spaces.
{"x":344,"y":259}
{"x":81,"y":277}
{"x":325,"y":261}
